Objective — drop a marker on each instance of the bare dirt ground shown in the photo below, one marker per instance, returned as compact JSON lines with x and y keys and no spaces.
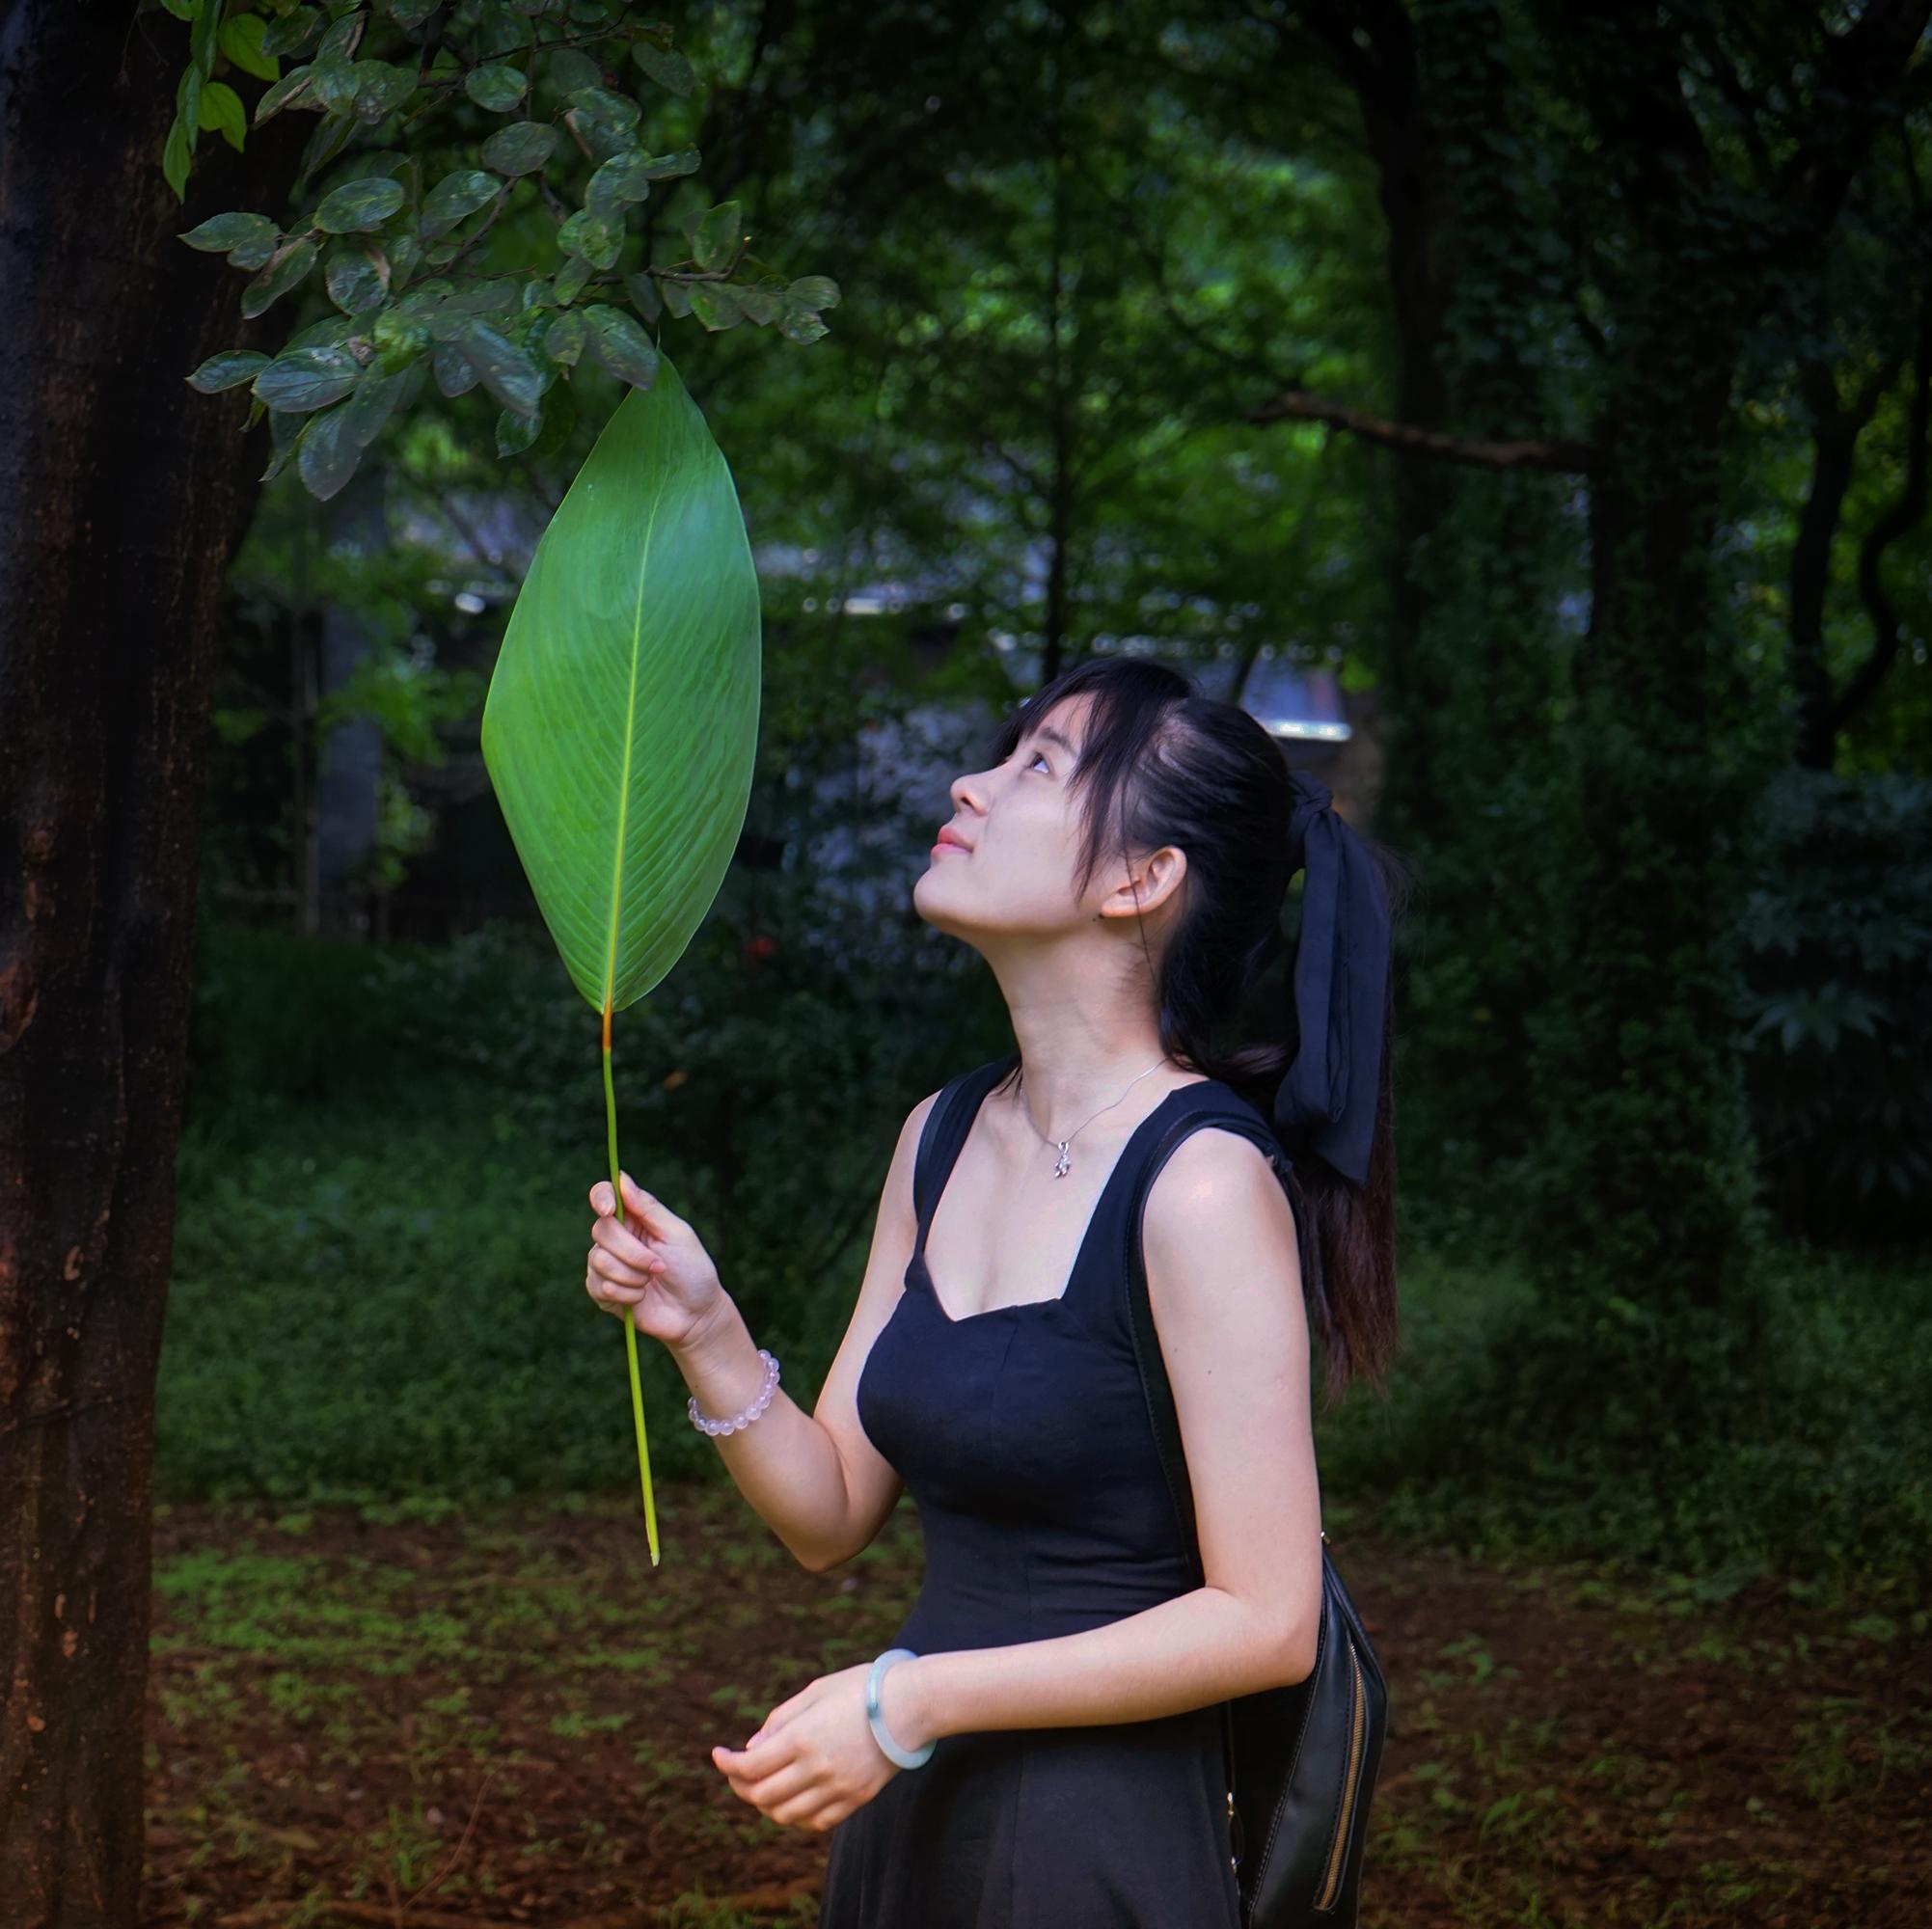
{"x":495,"y":1716}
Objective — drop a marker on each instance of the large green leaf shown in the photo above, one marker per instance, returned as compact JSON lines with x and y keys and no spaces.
{"x":622,"y":716}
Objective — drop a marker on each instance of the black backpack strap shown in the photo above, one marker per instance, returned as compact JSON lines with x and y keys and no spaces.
{"x":1160,"y":1396}
{"x":1302,"y":1760}
{"x":1140,"y":1313}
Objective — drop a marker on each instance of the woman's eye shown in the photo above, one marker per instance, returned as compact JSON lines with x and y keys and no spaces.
{"x":1040,"y":757}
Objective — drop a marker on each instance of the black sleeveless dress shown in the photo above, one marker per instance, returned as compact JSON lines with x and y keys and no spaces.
{"x":1022,"y":1436}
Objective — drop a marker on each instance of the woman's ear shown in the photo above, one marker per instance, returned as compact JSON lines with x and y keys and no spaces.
{"x":1150,"y":882}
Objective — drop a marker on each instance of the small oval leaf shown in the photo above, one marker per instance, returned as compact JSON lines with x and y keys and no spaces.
{"x":617,"y":111}
{"x":221,"y":113}
{"x":455,"y":373}
{"x":359,"y":206}
{"x":284,"y":270}
{"x":229,"y":369}
{"x":515,"y":433}
{"x":663,"y":167}
{"x":356,"y":275}
{"x":521,"y":147}
{"x":666,"y":66}
{"x":719,"y":235}
{"x":292,"y":89}
{"x":717,"y":305}
{"x":381,"y":88}
{"x":571,"y":70}
{"x":240,"y":40}
{"x":453,"y":197}
{"x":501,"y":366}
{"x":328,"y":456}
{"x":303,"y":379}
{"x":495,"y":85}
{"x":600,"y":242}
{"x":371,"y":405}
{"x":563,"y":340}
{"x":333,"y":80}
{"x":813,"y":291}
{"x":293,"y":33}
{"x":220,"y":232}
{"x":622,"y":179}
{"x":620,"y":344}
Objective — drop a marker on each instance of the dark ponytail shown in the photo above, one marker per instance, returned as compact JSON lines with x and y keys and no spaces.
{"x":1345,"y":1228}
{"x":1162,"y":764}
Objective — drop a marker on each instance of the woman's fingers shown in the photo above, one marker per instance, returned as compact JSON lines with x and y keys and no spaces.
{"x":603,"y":1200}
{"x":636,"y":1198}
{"x":620,"y":1278}
{"x":623,"y":1254}
{"x":624,"y":1246}
{"x":642,"y":1209}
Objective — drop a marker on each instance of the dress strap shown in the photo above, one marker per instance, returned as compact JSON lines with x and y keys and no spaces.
{"x":945,"y":1132}
{"x":1117,"y":1212}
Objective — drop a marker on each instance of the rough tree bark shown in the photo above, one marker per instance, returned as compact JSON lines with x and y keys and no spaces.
{"x":130,"y":492}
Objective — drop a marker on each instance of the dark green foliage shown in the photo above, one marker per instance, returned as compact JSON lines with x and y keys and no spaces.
{"x":388,"y":1299}
{"x":1838,"y":973}
{"x":409,"y":96}
{"x":1811,"y":1467}
{"x":401,"y":1144}
{"x":378,"y":1279}
{"x":271,"y":1013}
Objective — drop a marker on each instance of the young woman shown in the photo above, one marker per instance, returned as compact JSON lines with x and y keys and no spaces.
{"x":1041,"y":1747}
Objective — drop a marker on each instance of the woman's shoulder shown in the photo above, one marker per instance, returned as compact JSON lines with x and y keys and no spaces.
{"x":1226,"y":1171}
{"x":1227,"y":1120}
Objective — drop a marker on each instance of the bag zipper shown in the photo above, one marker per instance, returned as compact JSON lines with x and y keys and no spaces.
{"x":1357,"y":1728}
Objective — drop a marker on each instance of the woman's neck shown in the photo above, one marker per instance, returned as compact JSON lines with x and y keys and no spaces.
{"x":1069,"y":1074}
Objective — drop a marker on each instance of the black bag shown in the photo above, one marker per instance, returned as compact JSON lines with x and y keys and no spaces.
{"x":1302,"y":1760}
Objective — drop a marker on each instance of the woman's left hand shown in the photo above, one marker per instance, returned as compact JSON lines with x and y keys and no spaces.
{"x":815,"y":1760}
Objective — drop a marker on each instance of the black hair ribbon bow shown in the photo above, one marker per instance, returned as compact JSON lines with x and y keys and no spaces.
{"x":1326,"y":1101}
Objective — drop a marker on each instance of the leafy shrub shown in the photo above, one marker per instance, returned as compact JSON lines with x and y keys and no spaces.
{"x":1839,"y":970}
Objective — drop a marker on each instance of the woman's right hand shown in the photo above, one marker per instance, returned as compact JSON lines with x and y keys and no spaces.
{"x":653,"y":1270}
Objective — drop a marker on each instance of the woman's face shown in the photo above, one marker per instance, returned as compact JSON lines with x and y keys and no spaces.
{"x":1019,"y":822}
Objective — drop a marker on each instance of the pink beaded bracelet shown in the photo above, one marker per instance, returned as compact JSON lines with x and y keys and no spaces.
{"x":739,"y":1422}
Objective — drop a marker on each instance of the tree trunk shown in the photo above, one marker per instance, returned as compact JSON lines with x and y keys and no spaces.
{"x":1645,"y":1227}
{"x":130,"y":492}
{"x":1473,"y":764}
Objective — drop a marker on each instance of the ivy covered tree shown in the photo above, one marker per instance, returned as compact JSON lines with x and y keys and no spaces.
{"x":1606,"y":226}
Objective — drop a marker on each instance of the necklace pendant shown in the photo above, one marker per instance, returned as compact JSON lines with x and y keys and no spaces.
{"x":1065,"y":1166}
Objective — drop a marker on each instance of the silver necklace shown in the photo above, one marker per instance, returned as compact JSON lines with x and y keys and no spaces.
{"x":1065,"y":1165}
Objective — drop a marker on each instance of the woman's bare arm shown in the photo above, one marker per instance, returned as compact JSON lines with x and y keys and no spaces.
{"x":814,"y":1479}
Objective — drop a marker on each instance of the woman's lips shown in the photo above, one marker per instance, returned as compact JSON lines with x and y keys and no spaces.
{"x":959,"y":850}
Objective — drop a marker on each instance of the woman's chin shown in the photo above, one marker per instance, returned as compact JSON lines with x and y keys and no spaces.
{"x":929,"y":903}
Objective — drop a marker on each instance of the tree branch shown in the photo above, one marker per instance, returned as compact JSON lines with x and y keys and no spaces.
{"x":1859,"y":66}
{"x":1001,"y":453}
{"x":1569,"y":458}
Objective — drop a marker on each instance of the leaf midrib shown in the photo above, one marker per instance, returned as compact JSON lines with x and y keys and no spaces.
{"x":624,"y":773}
